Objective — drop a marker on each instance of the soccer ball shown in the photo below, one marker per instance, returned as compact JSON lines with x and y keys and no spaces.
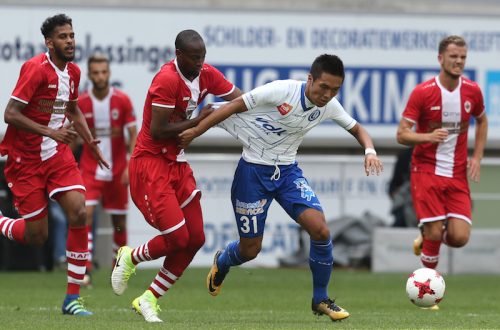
{"x":425,"y":287}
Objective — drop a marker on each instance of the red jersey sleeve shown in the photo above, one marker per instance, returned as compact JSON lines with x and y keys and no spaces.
{"x":163,"y":90}
{"x":479,"y":108}
{"x":74,"y":73}
{"x":219,"y":85}
{"x":412,"y":110}
{"x":85,"y":104}
{"x":30,"y":78}
{"x":129,"y":110}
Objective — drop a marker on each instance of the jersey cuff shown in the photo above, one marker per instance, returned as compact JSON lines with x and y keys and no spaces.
{"x":18,"y":99}
{"x":132,"y":123}
{"x":410,"y":120}
{"x":162,"y":105}
{"x":232,"y":90}
{"x":351,"y":125}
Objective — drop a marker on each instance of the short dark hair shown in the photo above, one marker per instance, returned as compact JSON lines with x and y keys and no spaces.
{"x":51,"y":23}
{"x":331,"y":64}
{"x":453,"y":39}
{"x":184,"y":38}
{"x":97,"y":58}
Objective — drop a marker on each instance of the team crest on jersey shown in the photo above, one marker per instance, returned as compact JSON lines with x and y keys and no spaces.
{"x":306,"y":191}
{"x":72,"y":86}
{"x":284,"y":108}
{"x":115,"y":114}
{"x":313,"y":116}
{"x":467,"y":106}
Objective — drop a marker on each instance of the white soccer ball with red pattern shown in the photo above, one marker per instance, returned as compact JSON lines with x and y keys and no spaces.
{"x":425,"y":287}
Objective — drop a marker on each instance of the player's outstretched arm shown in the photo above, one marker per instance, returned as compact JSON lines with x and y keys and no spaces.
{"x":373,"y":165}
{"x":225,"y":111}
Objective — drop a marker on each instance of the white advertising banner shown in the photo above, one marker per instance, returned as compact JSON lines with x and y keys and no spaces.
{"x":385,"y":55}
{"x":340,"y":183}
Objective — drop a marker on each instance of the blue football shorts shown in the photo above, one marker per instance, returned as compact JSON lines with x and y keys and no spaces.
{"x":253,"y":190}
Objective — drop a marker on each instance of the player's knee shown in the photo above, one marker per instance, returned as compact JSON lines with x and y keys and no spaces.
{"x":433,"y":233}
{"x":77,"y":216}
{"x":457,"y":240}
{"x":177,"y":240}
{"x":321,"y":234}
{"x":196,"y":242}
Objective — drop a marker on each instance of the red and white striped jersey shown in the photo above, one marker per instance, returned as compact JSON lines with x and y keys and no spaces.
{"x":171,"y":90}
{"x":109,"y":118}
{"x":432,"y":106}
{"x":46,"y":91}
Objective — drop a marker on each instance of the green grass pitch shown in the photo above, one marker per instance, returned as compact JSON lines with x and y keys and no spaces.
{"x":251,"y":299}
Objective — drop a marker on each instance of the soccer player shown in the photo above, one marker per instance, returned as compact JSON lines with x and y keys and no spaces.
{"x":441,"y":108}
{"x":271,"y":122}
{"x":161,"y":181}
{"x":108,"y":112}
{"x":39,"y":162}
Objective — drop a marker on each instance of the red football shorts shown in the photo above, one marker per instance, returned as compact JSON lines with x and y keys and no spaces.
{"x":160,"y":189}
{"x":113,"y":193}
{"x":31,"y":181}
{"x":438,"y":198}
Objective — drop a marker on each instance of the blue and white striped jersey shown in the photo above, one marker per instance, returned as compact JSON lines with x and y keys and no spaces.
{"x":279,"y":116}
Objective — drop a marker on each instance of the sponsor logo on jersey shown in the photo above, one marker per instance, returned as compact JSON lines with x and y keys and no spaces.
{"x":103,"y":131}
{"x":115,"y":114}
{"x":52,"y":106}
{"x":186,"y":98}
{"x":435,"y":108}
{"x":268,"y":127}
{"x":467,"y":106}
{"x":313,"y":116}
{"x":284,"y":108}
{"x":432,"y":84}
{"x":72,"y":86}
{"x":52,"y":86}
{"x":252,"y":208}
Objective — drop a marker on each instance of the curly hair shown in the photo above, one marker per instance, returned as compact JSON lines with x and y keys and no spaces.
{"x":51,"y":23}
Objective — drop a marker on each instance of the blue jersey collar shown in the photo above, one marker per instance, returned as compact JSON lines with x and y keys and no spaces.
{"x":303,"y":97}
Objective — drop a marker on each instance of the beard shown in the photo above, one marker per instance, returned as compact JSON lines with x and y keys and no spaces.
{"x":101,"y":86}
{"x":59,"y":53}
{"x":453,"y":75}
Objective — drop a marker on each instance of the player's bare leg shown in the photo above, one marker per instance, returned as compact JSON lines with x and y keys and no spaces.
{"x":457,"y":232}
